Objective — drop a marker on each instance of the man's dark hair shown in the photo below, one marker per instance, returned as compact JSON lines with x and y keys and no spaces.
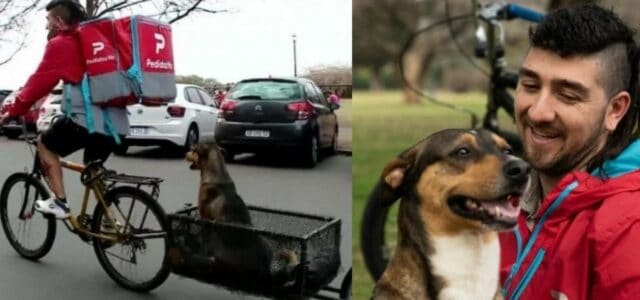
{"x":70,"y":11}
{"x":592,"y":30}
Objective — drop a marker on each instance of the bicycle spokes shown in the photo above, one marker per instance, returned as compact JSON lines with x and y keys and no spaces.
{"x":137,"y":259}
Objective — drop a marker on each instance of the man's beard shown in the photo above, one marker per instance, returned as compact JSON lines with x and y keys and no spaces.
{"x":571,"y":160}
{"x":51,"y":34}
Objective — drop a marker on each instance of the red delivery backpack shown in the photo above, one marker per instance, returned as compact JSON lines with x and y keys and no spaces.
{"x":148,"y":57}
{"x":128,"y":61}
{"x":106,"y":81}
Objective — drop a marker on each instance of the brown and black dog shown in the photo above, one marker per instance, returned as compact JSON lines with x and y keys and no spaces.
{"x":458,"y":188}
{"x":218,"y":200}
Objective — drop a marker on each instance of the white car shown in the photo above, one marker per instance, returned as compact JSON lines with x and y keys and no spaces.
{"x":49,"y":110}
{"x":189,"y":119}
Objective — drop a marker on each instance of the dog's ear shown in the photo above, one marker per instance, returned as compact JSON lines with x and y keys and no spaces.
{"x":393,"y":176}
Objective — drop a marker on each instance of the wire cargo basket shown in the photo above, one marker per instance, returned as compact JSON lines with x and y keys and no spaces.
{"x":230,"y":255}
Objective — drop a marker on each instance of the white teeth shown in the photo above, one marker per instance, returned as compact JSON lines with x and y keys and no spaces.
{"x":544,"y":135}
{"x":471,"y":204}
{"x":497,"y":211}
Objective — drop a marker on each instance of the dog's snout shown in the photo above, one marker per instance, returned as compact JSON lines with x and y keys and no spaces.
{"x":517,"y":170}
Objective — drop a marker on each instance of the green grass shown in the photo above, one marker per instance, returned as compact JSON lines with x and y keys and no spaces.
{"x":384,"y":126}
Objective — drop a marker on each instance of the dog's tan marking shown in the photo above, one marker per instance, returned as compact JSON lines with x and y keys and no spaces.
{"x":440,"y":181}
{"x":468,"y":138}
{"x":477,"y":180}
{"x":502,"y":144}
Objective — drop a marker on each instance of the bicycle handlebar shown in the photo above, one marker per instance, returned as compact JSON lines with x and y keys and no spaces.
{"x":513,"y":10}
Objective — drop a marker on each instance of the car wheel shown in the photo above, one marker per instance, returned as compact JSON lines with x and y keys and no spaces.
{"x":310,"y":152}
{"x":121,"y":149}
{"x":192,"y":138}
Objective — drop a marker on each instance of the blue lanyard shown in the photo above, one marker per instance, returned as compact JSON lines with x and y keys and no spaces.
{"x":540,"y":256}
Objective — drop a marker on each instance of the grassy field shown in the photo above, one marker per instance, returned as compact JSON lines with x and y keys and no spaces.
{"x":384,"y":126}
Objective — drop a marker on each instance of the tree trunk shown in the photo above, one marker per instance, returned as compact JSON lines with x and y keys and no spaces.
{"x":376,"y":78}
{"x":415,"y":62}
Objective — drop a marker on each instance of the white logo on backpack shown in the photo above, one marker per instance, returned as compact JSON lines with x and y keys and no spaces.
{"x":97,"y":47}
{"x":159,"y":42}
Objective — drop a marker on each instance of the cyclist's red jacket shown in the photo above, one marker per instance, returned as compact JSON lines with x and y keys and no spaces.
{"x":62,"y":60}
{"x":588,"y":247}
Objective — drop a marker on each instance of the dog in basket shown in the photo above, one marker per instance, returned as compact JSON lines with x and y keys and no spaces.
{"x":218,"y":200}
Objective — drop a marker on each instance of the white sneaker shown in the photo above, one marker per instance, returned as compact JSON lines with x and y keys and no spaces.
{"x":54,"y":207}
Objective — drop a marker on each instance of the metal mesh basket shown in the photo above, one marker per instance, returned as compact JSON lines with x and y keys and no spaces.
{"x":240,"y":257}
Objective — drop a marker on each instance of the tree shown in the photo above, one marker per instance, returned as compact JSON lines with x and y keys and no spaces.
{"x":15,"y":13}
{"x":13,"y":16}
{"x":169,"y":11}
{"x":209,"y":84}
{"x":330,"y":75}
{"x":381,"y":29}
{"x":332,"y":78}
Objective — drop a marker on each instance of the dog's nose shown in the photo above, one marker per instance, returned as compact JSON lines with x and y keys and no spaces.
{"x":517,"y":170}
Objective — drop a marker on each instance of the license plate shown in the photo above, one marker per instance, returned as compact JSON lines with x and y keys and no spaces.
{"x":138,"y":131}
{"x":257,"y":133}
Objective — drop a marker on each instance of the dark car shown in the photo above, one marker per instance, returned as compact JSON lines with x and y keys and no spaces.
{"x":263,"y":114}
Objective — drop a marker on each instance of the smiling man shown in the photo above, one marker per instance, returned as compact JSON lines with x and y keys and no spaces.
{"x":577,"y":112}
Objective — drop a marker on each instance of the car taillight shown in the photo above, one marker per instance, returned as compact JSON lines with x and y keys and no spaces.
{"x":304,"y":108}
{"x":227,"y":107}
{"x":176,"y":111}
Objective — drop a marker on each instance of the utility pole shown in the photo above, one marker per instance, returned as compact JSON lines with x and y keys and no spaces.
{"x":295,"y":66}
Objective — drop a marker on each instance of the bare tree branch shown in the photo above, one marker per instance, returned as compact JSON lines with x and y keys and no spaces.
{"x":186,"y":13}
{"x":15,"y":16}
{"x":14,"y":53}
{"x":114,"y":7}
{"x":211,"y":11}
{"x":5,"y":6}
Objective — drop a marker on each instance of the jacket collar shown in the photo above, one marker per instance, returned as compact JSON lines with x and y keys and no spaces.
{"x":615,"y":176}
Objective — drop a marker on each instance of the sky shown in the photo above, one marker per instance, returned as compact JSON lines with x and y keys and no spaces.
{"x":254,"y":39}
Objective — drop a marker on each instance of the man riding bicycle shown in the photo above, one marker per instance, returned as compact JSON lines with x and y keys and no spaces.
{"x":63,"y":60}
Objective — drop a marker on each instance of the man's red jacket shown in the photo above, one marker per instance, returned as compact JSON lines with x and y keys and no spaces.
{"x":62,"y":60}
{"x":585,"y":243}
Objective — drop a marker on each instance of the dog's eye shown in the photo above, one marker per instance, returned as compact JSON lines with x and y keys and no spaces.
{"x":508,"y":151}
{"x":463,"y":151}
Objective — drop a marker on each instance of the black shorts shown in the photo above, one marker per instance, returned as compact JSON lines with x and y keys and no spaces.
{"x":65,"y":137}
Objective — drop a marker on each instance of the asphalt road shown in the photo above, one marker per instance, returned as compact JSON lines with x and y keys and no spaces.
{"x":71,"y":271}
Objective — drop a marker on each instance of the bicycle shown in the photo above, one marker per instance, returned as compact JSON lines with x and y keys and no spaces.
{"x":117,"y":228}
{"x":376,"y":239}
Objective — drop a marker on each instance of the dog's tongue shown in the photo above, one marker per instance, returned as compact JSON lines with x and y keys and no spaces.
{"x":509,"y":209}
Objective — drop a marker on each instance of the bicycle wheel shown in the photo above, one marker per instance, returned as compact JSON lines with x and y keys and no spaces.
{"x":378,"y":232}
{"x":30,"y":233}
{"x":138,"y":262}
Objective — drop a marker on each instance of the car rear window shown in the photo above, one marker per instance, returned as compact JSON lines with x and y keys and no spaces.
{"x":265,"y":90}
